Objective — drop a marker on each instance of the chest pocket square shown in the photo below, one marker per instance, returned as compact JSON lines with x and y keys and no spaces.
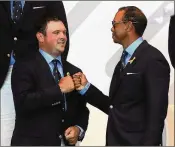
{"x":55,"y":103}
{"x":131,"y":73}
{"x":38,"y":7}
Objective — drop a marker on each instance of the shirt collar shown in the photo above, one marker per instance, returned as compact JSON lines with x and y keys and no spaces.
{"x":48,"y":57}
{"x":131,"y":48}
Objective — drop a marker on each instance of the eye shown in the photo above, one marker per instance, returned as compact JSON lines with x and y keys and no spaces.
{"x":64,"y":32}
{"x":56,"y":32}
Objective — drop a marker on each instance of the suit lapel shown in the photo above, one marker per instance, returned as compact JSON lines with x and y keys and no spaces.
{"x":44,"y":67}
{"x":115,"y":80}
{"x":27,"y":7}
{"x":7,"y":8}
{"x":66,"y":68}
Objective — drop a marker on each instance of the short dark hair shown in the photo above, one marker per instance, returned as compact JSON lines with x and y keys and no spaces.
{"x":42,"y":23}
{"x":136,"y":16}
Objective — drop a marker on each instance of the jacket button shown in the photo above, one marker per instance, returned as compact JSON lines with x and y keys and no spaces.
{"x":8,"y":55}
{"x":15,"y":38}
{"x":60,"y":136}
{"x":62,"y":120}
{"x":110,"y":106}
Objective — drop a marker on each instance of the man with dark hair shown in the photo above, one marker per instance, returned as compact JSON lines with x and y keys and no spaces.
{"x":18,"y":29}
{"x":49,"y":112}
{"x":17,"y":42}
{"x":138,"y":96}
{"x":137,"y":18}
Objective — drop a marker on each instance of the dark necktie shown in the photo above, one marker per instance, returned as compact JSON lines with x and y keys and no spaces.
{"x":17,"y":11}
{"x":123,"y":57}
{"x":56,"y":73}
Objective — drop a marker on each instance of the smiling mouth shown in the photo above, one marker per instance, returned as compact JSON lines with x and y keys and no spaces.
{"x":61,"y":43}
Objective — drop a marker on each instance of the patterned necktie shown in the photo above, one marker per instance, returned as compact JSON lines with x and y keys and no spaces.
{"x":56,"y":73}
{"x":17,"y":11}
{"x":123,"y":57}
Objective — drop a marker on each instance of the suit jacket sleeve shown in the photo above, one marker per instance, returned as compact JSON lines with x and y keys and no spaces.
{"x":82,"y":116}
{"x":56,"y":8}
{"x":26,"y":98}
{"x":171,"y":40}
{"x":96,"y":98}
{"x":157,"y":85}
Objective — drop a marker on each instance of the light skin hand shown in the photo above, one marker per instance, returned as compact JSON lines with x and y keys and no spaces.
{"x":66,"y":84}
{"x":72,"y":134}
{"x":79,"y":80}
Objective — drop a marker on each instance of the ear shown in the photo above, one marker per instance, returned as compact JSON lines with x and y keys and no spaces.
{"x":129,"y":26}
{"x":40,"y":37}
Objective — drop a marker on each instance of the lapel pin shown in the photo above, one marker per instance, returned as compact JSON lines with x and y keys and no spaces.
{"x":68,"y":74}
{"x":132,"y":60}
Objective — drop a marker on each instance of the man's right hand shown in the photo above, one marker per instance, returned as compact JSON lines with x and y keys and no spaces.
{"x":66,"y":84}
{"x":80,"y":81}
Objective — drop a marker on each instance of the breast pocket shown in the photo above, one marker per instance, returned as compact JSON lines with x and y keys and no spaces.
{"x":131,"y":86}
{"x":38,"y":12}
{"x":32,"y":18}
{"x":132,"y":79}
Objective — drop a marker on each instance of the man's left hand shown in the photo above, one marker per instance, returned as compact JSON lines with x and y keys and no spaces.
{"x":72,"y":134}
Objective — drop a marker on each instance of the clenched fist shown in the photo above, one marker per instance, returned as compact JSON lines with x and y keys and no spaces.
{"x":80,"y":81}
{"x":72,"y":134}
{"x":66,"y":84}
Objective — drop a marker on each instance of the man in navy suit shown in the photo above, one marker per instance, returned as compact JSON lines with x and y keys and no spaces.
{"x":48,"y":109}
{"x":138,"y":96}
{"x":18,"y":42}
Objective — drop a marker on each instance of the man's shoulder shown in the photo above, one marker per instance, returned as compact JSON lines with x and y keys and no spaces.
{"x":72,"y":68}
{"x":149,"y":51}
{"x":153,"y":54}
{"x":28,"y":60}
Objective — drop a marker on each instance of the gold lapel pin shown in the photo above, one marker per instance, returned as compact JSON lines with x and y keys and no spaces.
{"x":132,"y":60}
{"x":68,"y":74}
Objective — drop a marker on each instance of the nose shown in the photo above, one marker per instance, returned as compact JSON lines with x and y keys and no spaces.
{"x":112,"y":29}
{"x":63,"y":36}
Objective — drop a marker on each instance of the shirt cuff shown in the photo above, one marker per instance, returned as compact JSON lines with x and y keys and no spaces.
{"x":83,"y":91}
{"x":81,"y":135}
